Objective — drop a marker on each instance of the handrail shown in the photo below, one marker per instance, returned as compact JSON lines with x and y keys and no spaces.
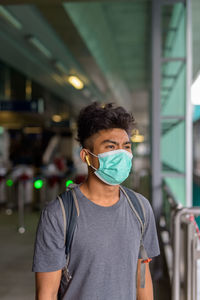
{"x":182,"y":230}
{"x":176,"y":257}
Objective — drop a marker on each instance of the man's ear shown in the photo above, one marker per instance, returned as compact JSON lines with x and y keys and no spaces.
{"x":84,"y":156}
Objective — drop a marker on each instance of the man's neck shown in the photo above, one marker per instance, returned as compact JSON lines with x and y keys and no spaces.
{"x":99,"y":192}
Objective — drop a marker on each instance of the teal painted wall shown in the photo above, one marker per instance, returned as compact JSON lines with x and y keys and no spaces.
{"x":173,"y":103}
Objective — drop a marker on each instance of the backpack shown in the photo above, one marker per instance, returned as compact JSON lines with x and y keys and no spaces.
{"x":70,"y":210}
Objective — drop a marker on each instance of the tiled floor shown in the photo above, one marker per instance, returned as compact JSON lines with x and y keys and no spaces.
{"x":16,"y":250}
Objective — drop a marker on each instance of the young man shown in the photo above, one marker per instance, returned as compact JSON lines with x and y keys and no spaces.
{"x":105,"y":259}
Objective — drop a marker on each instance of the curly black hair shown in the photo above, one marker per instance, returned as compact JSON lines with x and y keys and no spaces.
{"x":96,"y":117}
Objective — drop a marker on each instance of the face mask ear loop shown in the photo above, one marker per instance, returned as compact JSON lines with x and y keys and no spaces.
{"x":92,"y":153}
{"x":93,"y":168}
{"x":95,"y":156}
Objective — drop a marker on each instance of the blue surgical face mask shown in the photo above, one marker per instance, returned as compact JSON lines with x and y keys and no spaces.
{"x":114,"y":166}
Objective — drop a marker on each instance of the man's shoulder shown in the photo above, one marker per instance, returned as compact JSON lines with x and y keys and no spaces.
{"x":142,"y":200}
{"x":54,"y":205}
{"x":53,"y":208}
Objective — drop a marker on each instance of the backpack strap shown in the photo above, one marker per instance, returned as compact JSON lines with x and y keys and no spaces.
{"x":70,"y":210}
{"x":137,"y":207}
{"x":64,"y":217}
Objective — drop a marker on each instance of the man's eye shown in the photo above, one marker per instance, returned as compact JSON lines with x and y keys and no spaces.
{"x":128,"y":147}
{"x":110,"y":147}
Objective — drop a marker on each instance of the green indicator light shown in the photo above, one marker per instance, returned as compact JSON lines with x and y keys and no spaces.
{"x":38,"y":184}
{"x":68,"y":182}
{"x":9,"y":182}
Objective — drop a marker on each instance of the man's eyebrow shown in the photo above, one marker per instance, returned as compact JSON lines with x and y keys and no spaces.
{"x":109,"y":141}
{"x":114,"y":142}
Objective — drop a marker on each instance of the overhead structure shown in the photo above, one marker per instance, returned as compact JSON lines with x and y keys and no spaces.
{"x":84,"y":51}
{"x":104,"y":45}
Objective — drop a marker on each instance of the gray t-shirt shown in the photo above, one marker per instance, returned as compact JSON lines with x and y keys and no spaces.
{"x":105,"y":248}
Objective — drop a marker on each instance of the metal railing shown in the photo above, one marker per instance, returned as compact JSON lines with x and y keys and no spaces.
{"x":184,"y":281}
{"x":184,"y":239}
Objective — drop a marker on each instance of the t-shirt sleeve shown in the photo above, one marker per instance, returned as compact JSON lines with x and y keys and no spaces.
{"x":49,"y":250}
{"x":150,"y":237}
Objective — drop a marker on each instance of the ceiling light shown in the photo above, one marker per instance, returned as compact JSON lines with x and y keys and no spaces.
{"x":137,"y":138}
{"x":56,"y":118}
{"x":195,"y":91}
{"x":28,"y":89}
{"x":10,"y":18}
{"x":61,"y":67}
{"x":75,"y":82}
{"x":37,"y":44}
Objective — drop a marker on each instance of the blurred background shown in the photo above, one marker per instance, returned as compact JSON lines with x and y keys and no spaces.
{"x":59,"y":56}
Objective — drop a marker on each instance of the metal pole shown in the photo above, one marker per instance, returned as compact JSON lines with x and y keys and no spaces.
{"x":21,"y":198}
{"x":156,"y":108}
{"x":188,"y":125}
{"x":189,"y":266}
{"x":194,"y":268}
{"x":176,"y":262}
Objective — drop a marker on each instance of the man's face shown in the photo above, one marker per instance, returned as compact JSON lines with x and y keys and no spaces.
{"x":109,"y":140}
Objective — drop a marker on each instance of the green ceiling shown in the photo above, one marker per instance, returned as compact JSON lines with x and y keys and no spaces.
{"x":118,"y":36}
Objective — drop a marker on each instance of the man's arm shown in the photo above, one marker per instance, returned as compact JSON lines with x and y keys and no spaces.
{"x":145,"y":293}
{"x":47,"y":285}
